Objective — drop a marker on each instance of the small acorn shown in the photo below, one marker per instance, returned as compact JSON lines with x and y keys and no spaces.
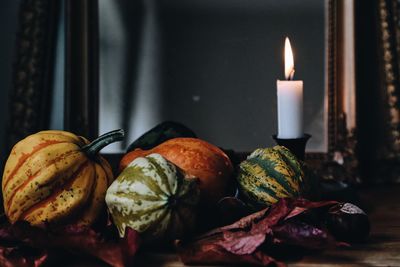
{"x":348,"y":223}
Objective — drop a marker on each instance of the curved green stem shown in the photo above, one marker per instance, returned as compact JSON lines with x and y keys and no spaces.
{"x":100,"y":142}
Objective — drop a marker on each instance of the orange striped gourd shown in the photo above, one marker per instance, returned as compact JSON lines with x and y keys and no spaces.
{"x":54,"y":177}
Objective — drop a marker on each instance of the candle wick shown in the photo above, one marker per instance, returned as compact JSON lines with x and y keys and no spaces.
{"x":291,"y":75}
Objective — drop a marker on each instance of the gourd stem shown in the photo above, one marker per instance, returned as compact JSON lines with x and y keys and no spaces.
{"x":103,"y":140}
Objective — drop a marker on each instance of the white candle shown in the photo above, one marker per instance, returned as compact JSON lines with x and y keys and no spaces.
{"x":290,"y":100}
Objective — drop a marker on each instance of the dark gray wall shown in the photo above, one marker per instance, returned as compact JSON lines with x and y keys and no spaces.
{"x":231,"y":59}
{"x":8,"y":28}
{"x":211,"y":65}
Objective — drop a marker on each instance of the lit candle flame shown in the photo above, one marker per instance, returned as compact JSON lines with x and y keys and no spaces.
{"x":289,"y":62}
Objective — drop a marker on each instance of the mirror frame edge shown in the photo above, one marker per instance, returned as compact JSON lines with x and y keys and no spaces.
{"x":33,"y":72}
{"x":340,"y":162}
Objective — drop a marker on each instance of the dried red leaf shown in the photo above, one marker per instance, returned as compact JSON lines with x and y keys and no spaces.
{"x":75,"y":239}
{"x":286,"y":209}
{"x":276,"y":213}
{"x":21,"y":257}
{"x":241,"y":241}
{"x":6,"y":234}
{"x":208,"y":251}
{"x":246,"y":242}
{"x":14,"y":253}
{"x":303,"y":235}
{"x":240,"y":224}
{"x":231,"y":209}
{"x":301,"y":205}
{"x":79,"y":240}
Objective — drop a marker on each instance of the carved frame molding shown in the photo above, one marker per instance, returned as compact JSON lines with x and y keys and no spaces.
{"x":33,"y":69}
{"x":340,"y":162}
{"x":389,"y":63}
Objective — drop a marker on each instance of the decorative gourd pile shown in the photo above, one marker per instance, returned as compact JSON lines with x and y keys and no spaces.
{"x":56,"y":177}
{"x":152,"y":196}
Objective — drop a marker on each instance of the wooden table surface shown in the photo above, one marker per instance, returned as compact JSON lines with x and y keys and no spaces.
{"x":382,"y":248}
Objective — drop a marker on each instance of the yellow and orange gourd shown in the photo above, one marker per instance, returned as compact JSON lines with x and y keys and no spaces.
{"x":54,"y":177}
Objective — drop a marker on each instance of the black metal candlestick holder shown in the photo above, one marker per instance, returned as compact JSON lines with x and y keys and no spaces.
{"x":296,"y":145}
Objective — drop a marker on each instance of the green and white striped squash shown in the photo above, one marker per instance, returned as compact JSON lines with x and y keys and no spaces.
{"x":152,"y":196}
{"x":269,"y":174}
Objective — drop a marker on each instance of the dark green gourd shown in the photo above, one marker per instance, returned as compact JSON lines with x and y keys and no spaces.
{"x":161,"y":133}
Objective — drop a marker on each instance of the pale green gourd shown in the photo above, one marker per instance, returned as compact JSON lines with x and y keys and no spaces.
{"x":152,"y":196}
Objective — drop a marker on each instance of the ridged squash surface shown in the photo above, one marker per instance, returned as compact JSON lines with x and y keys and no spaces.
{"x":152,"y":196}
{"x":269,"y":174}
{"x":49,"y":179}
